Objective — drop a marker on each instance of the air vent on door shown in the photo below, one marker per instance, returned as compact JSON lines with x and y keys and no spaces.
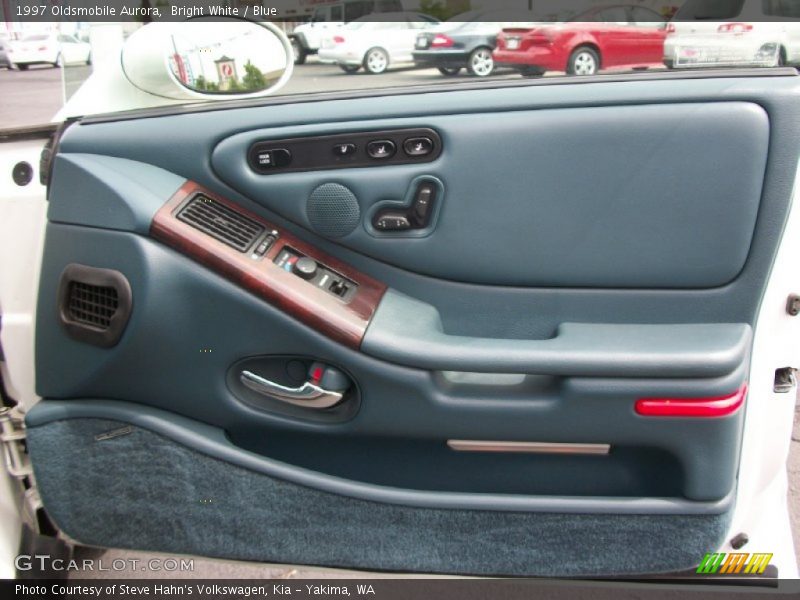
{"x":94,"y":304}
{"x":221,"y":222}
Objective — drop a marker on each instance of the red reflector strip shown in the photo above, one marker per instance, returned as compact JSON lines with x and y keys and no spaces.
{"x":719,"y":406}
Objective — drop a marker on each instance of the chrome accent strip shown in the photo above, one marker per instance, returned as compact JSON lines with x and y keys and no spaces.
{"x":531,"y":447}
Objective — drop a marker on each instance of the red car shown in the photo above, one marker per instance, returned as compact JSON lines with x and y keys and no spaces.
{"x":607,"y":37}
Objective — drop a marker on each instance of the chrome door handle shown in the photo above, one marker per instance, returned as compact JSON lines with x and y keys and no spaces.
{"x":308,"y":394}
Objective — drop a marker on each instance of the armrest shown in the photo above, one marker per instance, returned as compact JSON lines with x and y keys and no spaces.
{"x":409,"y":332}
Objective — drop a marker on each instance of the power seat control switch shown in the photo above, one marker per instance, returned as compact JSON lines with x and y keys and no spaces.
{"x":423,"y":203}
{"x":381,"y":149}
{"x":392,"y":221}
{"x":419,"y":146}
{"x":417,"y":216}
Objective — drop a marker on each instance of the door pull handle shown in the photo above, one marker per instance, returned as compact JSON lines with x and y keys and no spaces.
{"x":307,"y":395}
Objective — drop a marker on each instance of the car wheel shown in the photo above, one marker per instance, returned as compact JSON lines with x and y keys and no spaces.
{"x":299,"y":52}
{"x":376,"y":61}
{"x":22,"y":67}
{"x":89,"y":60}
{"x":57,"y":62}
{"x":481,"y":62}
{"x":350,"y":68}
{"x":450,"y":71}
{"x":583,"y":61}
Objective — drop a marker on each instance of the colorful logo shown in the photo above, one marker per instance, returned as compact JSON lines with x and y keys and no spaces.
{"x":734,"y":563}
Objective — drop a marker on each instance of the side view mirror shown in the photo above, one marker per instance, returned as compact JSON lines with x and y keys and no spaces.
{"x":203,"y":58}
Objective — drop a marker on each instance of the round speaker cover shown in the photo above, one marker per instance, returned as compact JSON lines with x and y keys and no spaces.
{"x":333,"y":210}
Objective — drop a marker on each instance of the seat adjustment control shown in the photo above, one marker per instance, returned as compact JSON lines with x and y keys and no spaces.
{"x":423,"y":202}
{"x":417,"y":216}
{"x":392,"y":221}
{"x":381,"y":149}
{"x":419,"y":146}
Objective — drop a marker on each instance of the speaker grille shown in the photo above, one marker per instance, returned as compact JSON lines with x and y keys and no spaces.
{"x":332,"y":210}
{"x":220,"y":222}
{"x":92,"y":305}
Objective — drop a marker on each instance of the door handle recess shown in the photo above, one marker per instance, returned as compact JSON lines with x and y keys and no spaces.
{"x":307,"y":395}
{"x":409,"y":332}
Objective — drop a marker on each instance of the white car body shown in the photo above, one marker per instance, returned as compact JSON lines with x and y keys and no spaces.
{"x":751,"y":36}
{"x":313,"y":33}
{"x":396,"y":37}
{"x":51,"y":49}
{"x":329,"y":17}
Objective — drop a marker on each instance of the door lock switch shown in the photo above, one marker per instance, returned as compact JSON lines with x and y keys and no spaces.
{"x":328,"y":377}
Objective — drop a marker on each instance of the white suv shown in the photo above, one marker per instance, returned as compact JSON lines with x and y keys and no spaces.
{"x":307,"y":38}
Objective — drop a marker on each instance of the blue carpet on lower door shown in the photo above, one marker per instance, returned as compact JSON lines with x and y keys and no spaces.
{"x":144,"y":491}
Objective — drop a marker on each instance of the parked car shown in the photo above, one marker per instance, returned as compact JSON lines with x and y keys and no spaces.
{"x":49,"y":48}
{"x":733,"y":33}
{"x":307,"y":38}
{"x":608,"y":37}
{"x":375,"y":45}
{"x":4,"y":61}
{"x":467,"y":42}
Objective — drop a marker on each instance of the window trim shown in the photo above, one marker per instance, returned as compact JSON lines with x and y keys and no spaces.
{"x":444,"y":87}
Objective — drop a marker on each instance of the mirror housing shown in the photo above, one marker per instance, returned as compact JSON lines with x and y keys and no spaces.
{"x":208,"y":58}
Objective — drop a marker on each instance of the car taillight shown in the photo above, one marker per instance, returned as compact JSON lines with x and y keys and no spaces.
{"x":441,"y":41}
{"x":42,"y":48}
{"x":735,"y":28}
{"x":337,"y":39}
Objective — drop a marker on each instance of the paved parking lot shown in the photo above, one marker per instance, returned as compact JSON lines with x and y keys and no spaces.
{"x":32,"y":97}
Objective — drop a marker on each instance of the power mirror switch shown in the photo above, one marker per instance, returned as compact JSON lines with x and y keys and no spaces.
{"x":305,"y":268}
